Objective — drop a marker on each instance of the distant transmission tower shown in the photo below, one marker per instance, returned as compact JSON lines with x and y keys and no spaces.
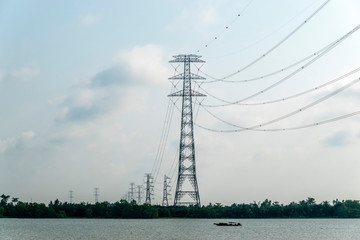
{"x":96,"y":194}
{"x":139,"y":194}
{"x":166,"y":193}
{"x":71,"y":196}
{"x":187,"y":192}
{"x":149,"y":188}
{"x":131,"y":192}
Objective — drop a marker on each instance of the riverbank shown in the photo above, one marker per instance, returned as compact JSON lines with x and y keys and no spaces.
{"x":13,"y":208}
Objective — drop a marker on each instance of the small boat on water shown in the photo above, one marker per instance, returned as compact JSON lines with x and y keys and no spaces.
{"x":232,"y":224}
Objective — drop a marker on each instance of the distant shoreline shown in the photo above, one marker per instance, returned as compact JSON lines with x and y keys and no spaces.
{"x":305,"y":209}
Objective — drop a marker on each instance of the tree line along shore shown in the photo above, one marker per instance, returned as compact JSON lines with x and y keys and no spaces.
{"x":13,"y":208}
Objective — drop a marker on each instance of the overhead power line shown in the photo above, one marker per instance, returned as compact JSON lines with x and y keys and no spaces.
{"x":333,"y":45}
{"x":273,"y":48}
{"x":161,"y":142}
{"x":255,"y":42}
{"x":274,"y":72}
{"x":289,"y":128}
{"x":163,"y":139}
{"x":174,"y":164}
{"x":256,"y":127}
{"x":165,"y":142}
{"x":292,"y":96}
{"x":227,"y":27}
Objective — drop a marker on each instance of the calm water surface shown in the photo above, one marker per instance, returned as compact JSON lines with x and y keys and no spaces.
{"x":71,"y":229}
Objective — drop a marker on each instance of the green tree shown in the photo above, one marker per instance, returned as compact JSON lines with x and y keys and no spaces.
{"x":88,"y":213}
{"x":2,"y":211}
{"x":4,"y":199}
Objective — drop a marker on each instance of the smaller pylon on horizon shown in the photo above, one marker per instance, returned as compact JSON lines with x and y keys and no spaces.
{"x":71,"y":196}
{"x":149,"y":187}
{"x":139,"y":194}
{"x":131,"y":192}
{"x":96,"y":194}
{"x":166,"y":192}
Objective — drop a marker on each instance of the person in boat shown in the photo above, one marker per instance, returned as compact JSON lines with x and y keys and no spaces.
{"x":228,"y":224}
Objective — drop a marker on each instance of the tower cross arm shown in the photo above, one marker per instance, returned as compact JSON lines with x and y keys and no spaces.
{"x":184,"y":58}
{"x":186,"y":93}
{"x":182,"y":76}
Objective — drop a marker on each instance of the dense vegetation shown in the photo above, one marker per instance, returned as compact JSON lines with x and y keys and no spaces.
{"x":267,"y":209}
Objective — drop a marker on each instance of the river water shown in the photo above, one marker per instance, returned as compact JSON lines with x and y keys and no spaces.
{"x":106,"y":229}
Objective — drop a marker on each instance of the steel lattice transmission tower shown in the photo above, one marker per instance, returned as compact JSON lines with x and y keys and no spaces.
{"x":149,"y":187}
{"x":71,"y":196}
{"x":139,"y":194}
{"x":96,"y":194}
{"x":187,"y":191}
{"x":166,"y":192}
{"x":131,"y":194}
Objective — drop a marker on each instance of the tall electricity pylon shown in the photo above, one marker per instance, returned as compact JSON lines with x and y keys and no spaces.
{"x":187,"y":191}
{"x":166,"y":193}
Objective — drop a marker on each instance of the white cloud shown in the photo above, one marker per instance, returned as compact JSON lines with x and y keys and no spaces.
{"x":89,"y":19}
{"x":85,"y":103}
{"x":28,"y":134}
{"x":57,"y":101}
{"x":123,"y":86}
{"x":23,"y":73}
{"x":198,"y":19}
{"x":5,"y":144}
{"x":1,"y":74}
{"x":338,"y":139}
{"x":208,"y":17}
{"x":147,"y":63}
{"x":63,"y":113}
{"x":85,"y":98}
{"x":9,"y":143}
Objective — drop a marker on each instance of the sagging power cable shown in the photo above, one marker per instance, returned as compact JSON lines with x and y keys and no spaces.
{"x":333,"y":45}
{"x":291,"y":96}
{"x":286,"y":129}
{"x":273,"y":48}
{"x":226,"y":28}
{"x":264,"y":76}
{"x":256,"y":127}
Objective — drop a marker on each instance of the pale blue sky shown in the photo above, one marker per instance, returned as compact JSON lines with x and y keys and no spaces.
{"x":83,"y":95}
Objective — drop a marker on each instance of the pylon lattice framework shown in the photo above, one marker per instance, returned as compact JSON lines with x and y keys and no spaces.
{"x":187,"y":191}
{"x":139,"y":194}
{"x":131,"y":194}
{"x":96,"y":194}
{"x":165,"y":201}
{"x":149,"y":188}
